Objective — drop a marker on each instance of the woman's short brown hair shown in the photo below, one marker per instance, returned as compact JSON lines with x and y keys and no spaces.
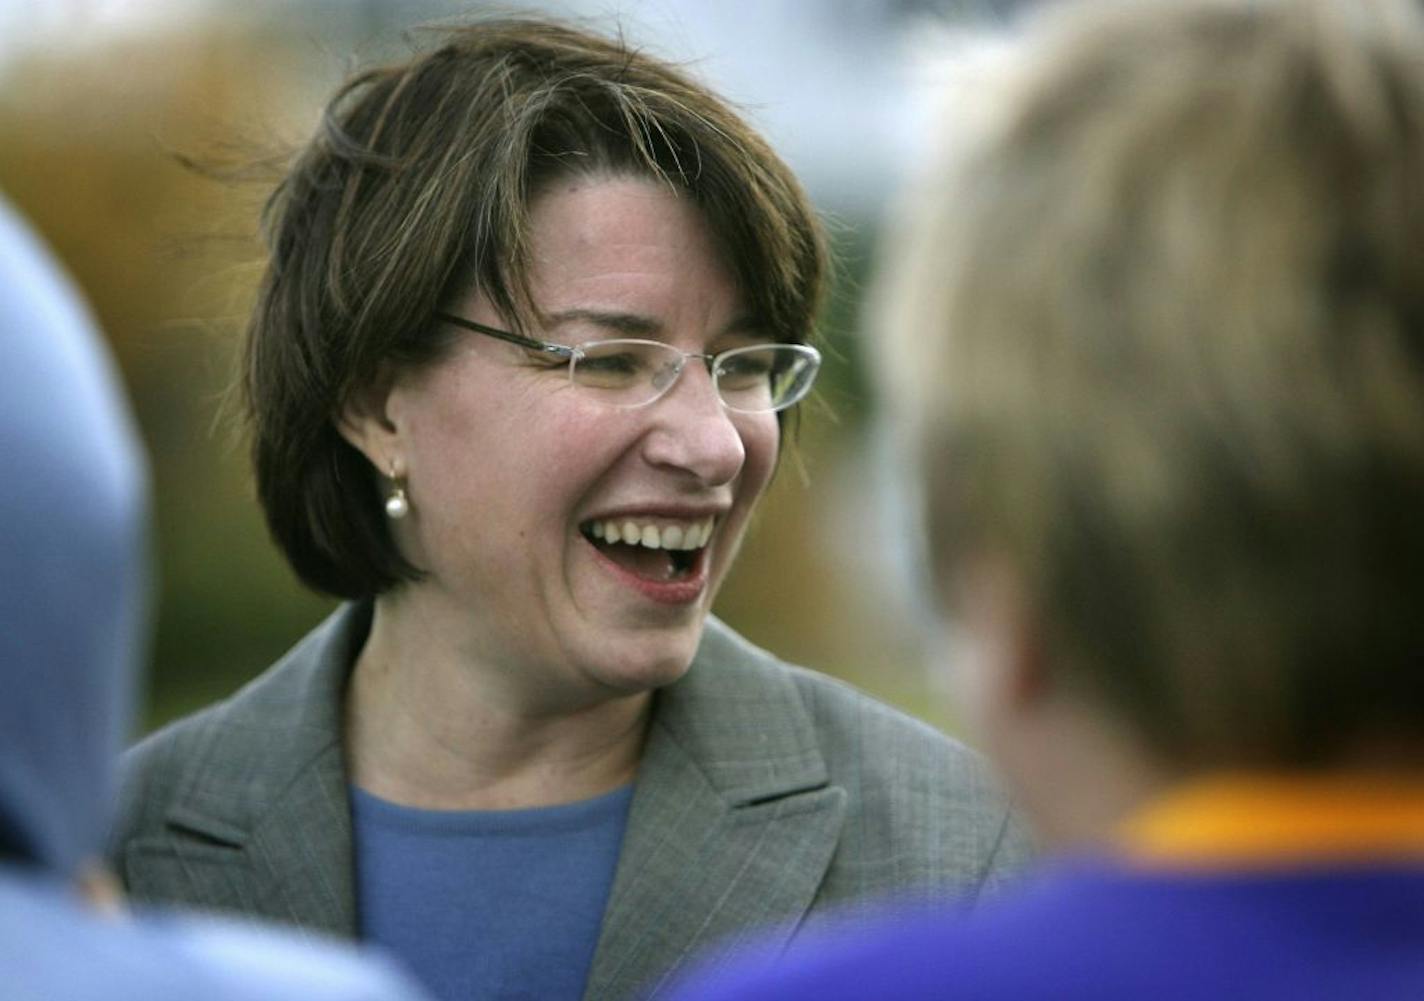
{"x":417,"y":186}
{"x":1160,"y":325}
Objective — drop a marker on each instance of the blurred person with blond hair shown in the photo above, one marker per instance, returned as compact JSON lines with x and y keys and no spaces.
{"x":73,"y":613}
{"x":1156,"y":334}
{"x":537,"y":312}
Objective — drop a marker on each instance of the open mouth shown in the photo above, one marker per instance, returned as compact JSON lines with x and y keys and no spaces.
{"x":661,"y":550}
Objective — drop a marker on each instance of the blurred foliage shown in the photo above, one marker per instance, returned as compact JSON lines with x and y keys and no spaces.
{"x":90,"y":150}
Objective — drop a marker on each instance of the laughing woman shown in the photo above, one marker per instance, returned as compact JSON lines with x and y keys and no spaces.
{"x":536,"y":311}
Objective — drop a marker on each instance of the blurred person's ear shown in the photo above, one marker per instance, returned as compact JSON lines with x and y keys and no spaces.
{"x":1075,"y":767}
{"x":998,"y":660}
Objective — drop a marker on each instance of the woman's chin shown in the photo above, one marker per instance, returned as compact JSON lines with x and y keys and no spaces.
{"x":645,"y":662}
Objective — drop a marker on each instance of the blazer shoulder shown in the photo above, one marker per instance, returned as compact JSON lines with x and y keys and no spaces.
{"x":867,"y":741}
{"x":236,"y":755}
{"x":852,"y":730}
{"x":152,"y":772}
{"x":924,"y":810}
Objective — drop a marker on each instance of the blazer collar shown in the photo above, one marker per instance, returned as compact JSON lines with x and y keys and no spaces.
{"x":735,"y":716}
{"x":732,"y":826}
{"x":271,"y":780}
{"x":738,"y":715}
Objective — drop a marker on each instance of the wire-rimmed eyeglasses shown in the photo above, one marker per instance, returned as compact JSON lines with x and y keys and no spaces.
{"x":631,"y":372}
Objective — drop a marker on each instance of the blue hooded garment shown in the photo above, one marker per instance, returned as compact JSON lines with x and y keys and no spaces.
{"x":73,"y":587}
{"x":73,"y":511}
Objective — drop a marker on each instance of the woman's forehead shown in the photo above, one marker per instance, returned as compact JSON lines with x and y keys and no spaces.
{"x":629,"y":255}
{"x":601,"y":220}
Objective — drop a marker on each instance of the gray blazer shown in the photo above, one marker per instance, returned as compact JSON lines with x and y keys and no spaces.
{"x":768,"y":798}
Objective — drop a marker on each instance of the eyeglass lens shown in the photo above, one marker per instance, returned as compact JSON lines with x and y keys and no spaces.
{"x":754,"y":379}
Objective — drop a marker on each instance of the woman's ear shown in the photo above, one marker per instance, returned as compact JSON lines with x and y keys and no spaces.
{"x":365,"y":422}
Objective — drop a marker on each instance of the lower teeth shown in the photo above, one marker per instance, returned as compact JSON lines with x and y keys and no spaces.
{"x":679,"y":566}
{"x":672,"y":564}
{"x":676,"y":571}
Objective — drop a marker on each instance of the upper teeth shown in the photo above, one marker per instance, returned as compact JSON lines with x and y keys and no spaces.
{"x":680,"y":535}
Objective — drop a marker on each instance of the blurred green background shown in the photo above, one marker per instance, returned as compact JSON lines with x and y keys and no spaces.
{"x":92,"y":137}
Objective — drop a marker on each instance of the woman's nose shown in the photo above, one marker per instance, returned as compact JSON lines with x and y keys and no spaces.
{"x":693,"y":431}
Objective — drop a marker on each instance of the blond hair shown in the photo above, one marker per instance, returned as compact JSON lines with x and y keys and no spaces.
{"x":1159,"y":328}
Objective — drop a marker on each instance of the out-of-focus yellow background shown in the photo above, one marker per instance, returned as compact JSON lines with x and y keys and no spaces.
{"x":94,"y":127}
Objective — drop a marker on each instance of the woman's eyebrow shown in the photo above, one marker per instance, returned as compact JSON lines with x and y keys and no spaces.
{"x":628,"y":324}
{"x":638,"y":325}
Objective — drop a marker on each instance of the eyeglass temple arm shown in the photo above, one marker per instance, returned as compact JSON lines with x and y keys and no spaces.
{"x":558,"y":350}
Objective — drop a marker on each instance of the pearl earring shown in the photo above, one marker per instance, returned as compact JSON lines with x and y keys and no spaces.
{"x":397,"y":504}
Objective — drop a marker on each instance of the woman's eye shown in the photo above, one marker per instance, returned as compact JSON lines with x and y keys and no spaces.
{"x":625,"y":363}
{"x":611,"y":369}
{"x":545,"y":359}
{"x":744,"y":371}
{"x":747,"y":365}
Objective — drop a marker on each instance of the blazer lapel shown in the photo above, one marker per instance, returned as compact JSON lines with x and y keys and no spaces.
{"x":301,"y":852}
{"x":266,"y":796}
{"x":732,"y":826}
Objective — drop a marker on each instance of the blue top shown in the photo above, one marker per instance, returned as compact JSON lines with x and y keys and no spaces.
{"x":1098,"y":931}
{"x":486,"y":904}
